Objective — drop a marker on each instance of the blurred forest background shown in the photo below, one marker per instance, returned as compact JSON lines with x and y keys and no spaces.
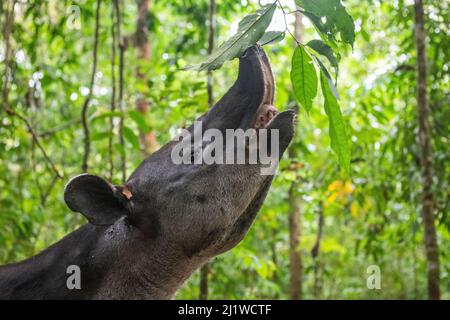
{"x":114,"y":70}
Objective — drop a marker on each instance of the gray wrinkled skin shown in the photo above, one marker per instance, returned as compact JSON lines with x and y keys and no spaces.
{"x":178,"y":217}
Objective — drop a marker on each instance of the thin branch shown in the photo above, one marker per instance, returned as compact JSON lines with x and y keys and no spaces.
{"x":122,"y":48}
{"x":285,"y":22}
{"x":296,"y":11}
{"x":34,"y":170}
{"x":36,"y":140}
{"x":84,"y":120}
{"x":50,"y":132}
{"x":49,"y":190}
{"x":113,"y":91}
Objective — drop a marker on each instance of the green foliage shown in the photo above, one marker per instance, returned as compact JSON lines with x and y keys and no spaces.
{"x":370,"y":217}
{"x":337,"y":20}
{"x":271,"y":37}
{"x":326,"y":51}
{"x":250,"y":30}
{"x":131,"y":137}
{"x":303,"y":77}
{"x":303,"y":74}
{"x":338,"y":135}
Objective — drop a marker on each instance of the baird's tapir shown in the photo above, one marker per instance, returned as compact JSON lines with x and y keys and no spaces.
{"x":145,"y":238}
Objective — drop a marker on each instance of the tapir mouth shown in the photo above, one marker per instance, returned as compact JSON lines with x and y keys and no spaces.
{"x":263,"y":78}
{"x":249,"y":103}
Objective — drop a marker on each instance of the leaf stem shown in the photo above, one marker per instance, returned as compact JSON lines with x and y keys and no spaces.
{"x":285,"y":22}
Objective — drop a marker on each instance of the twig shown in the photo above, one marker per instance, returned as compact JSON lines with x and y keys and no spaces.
{"x":33,"y":168}
{"x":36,"y":140}
{"x":296,"y":11}
{"x":285,"y":22}
{"x":84,"y":121}
{"x":57,"y":129}
{"x":122,"y":48}
{"x":49,"y":190}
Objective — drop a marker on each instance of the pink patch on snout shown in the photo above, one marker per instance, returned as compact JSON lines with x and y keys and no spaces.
{"x":127,"y":192}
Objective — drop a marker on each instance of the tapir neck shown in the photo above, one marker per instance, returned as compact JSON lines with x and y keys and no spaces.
{"x":114,"y":263}
{"x":151,"y":269}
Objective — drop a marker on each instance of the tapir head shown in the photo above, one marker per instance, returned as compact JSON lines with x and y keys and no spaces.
{"x":199,"y":208}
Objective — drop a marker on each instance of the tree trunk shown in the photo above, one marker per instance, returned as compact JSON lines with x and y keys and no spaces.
{"x":295,"y":259}
{"x":122,"y":47}
{"x":315,"y":253}
{"x":142,"y":43}
{"x":113,"y":91}
{"x":431,"y":246}
{"x":204,"y":271}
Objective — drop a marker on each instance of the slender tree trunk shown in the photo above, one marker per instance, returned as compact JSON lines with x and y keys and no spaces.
{"x":122,"y":48}
{"x":204,"y":271}
{"x":295,"y":258}
{"x":87,"y":100}
{"x":416,"y":291}
{"x":113,"y":91}
{"x":315,"y":253}
{"x":212,"y":26}
{"x":7,"y":29}
{"x":431,"y":246}
{"x":148,"y":139}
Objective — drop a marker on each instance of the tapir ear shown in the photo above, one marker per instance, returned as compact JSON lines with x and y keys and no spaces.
{"x":98,"y":200}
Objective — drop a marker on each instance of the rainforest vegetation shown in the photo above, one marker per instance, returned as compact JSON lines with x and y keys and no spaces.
{"x":359,"y":208}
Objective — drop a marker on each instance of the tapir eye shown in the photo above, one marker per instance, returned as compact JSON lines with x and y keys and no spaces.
{"x":200,"y":198}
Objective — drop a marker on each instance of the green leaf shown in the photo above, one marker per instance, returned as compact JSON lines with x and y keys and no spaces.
{"x":119,"y":148}
{"x":340,"y":142}
{"x":337,"y":18}
{"x":271,"y":37}
{"x":139,"y":119}
{"x":250,"y":30}
{"x":131,"y":137}
{"x":321,"y":29}
{"x":328,"y":76}
{"x":106,"y":114}
{"x":101,"y":135}
{"x":321,"y":48}
{"x":303,"y":77}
